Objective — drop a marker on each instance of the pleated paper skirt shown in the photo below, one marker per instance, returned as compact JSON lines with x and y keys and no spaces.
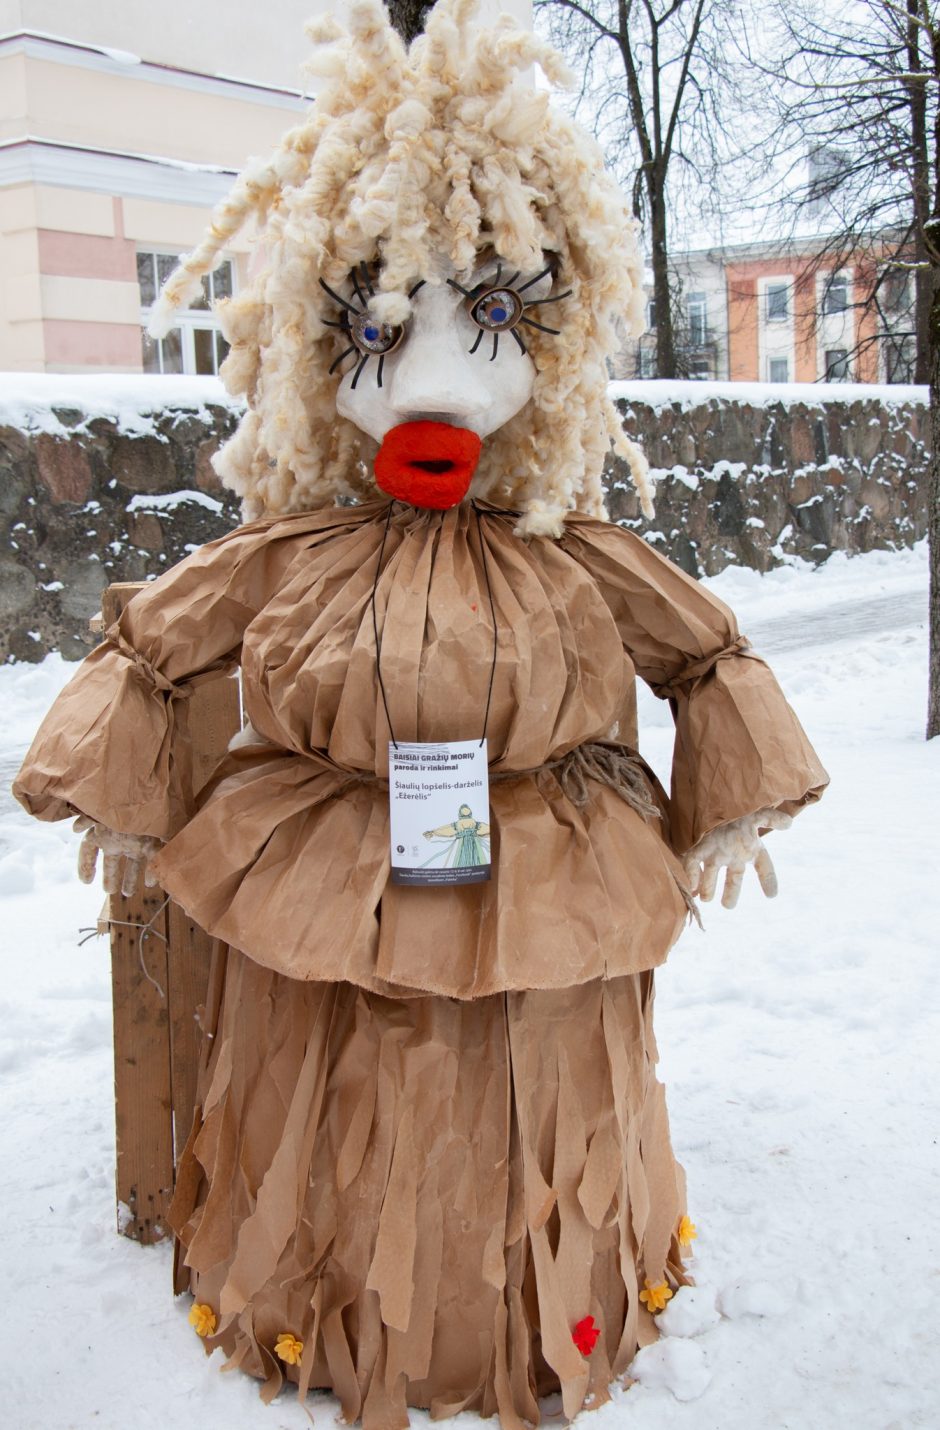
{"x":429,"y":1194}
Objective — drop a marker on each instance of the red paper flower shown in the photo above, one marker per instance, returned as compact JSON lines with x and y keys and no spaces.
{"x":585,"y":1335}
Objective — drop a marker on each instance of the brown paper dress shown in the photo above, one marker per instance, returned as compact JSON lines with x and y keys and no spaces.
{"x":430,"y":1138}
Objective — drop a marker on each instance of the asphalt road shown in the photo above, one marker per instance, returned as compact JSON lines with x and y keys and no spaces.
{"x":845,"y":621}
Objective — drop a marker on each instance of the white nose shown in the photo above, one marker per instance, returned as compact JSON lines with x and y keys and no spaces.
{"x":434,"y":377}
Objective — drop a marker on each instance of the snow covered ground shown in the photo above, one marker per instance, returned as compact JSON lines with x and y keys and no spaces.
{"x":798,"y":1043}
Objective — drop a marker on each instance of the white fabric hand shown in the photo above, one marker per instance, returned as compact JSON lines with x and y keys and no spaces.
{"x":131,"y":850}
{"x":733,"y":846}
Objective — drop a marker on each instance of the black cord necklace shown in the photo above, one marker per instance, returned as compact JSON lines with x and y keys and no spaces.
{"x":484,"y":562}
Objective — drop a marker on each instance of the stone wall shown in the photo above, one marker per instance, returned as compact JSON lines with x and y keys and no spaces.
{"x":94,"y":491}
{"x":91,"y":496}
{"x":746,"y":477}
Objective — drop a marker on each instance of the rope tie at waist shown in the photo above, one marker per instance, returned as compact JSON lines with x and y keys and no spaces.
{"x":616,"y":766}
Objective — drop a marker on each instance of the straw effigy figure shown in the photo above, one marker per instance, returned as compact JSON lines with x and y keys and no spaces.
{"x":430,"y":1164}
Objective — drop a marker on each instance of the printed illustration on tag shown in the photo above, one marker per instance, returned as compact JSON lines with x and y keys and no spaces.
{"x":439,"y":813}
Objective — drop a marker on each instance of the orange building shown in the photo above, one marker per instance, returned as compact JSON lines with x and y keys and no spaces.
{"x":774,"y":312}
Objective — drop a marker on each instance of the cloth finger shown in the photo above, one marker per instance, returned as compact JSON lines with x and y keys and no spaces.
{"x":112,"y":873}
{"x":766,"y":872}
{"x":710,"y":871}
{"x":693,"y":872}
{"x":87,"y":858}
{"x":773,"y":819}
{"x":150,"y":878}
{"x":734,"y":878}
{"x":82,"y":822}
{"x":130,"y":876}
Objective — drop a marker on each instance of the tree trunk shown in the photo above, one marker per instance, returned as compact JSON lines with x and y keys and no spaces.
{"x":920,"y":192}
{"x":409,"y":16}
{"x":933,"y":515}
{"x":662,"y":297}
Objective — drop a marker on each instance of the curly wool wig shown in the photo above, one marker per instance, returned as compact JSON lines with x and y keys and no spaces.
{"x":406,"y":156}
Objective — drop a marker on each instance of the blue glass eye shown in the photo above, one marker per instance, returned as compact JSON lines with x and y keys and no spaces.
{"x":372,"y":337}
{"x":496,"y":310}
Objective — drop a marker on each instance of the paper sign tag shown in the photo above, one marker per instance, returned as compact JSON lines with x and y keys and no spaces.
{"x":439,"y":806}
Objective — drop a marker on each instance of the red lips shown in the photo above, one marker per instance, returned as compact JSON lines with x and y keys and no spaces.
{"x":427,"y":464}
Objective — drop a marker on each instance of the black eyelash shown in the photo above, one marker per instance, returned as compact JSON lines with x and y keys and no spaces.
{"x":335,"y":364}
{"x":495,"y":347}
{"x":343,"y":324}
{"x":358,"y":373}
{"x":534,"y":280}
{"x":531,"y":323}
{"x":556,"y":298}
{"x":337,"y":299}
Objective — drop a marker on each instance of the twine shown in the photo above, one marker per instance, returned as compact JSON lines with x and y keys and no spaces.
{"x":145,"y":930}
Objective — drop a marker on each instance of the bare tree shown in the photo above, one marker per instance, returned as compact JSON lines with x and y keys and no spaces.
{"x":654,"y":78}
{"x":861,"y":83}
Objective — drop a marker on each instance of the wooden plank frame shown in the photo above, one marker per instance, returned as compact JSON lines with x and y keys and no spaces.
{"x":159,"y":974}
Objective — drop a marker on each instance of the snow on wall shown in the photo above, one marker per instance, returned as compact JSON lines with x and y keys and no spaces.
{"x":658,"y":393}
{"x":29,"y":401}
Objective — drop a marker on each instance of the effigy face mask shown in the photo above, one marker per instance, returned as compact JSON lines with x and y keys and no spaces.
{"x":430,"y":390}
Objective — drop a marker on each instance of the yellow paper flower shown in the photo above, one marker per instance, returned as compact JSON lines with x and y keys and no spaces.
{"x":288,"y":1348}
{"x":203,"y":1319}
{"x":687,"y":1231}
{"x":655,"y":1297}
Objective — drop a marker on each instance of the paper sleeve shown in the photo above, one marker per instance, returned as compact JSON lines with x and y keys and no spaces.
{"x":115,"y":745}
{"x":739,"y":746}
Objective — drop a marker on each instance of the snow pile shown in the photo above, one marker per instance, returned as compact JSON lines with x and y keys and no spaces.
{"x":29,"y":400}
{"x":691,"y":1312}
{"x":797,"y":1039}
{"x":673,"y":1365}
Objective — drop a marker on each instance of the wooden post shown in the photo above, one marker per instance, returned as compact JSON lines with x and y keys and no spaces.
{"x":159,"y":971}
{"x":214,"y":717}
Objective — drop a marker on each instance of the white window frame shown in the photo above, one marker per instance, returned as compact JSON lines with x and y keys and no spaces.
{"x":770,"y":369}
{"x":898,"y":280}
{"x":697,"y":310}
{"x":189,"y":321}
{"x":828,"y":375}
{"x":832,"y":283}
{"x":902,"y":351}
{"x":646,"y":362}
{"x":776,"y":285}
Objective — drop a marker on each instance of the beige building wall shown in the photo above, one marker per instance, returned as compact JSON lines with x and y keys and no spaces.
{"x":238,"y":39}
{"x":100,"y":160}
{"x":122,"y":124}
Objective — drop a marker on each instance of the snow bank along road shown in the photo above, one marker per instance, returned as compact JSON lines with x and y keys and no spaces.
{"x":797,"y":1042}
